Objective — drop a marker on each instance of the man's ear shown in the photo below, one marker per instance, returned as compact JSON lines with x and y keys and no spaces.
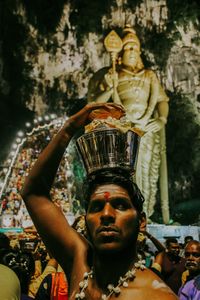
{"x":143,"y":221}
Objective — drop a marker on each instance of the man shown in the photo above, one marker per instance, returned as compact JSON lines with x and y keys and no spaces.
{"x":187,"y":239}
{"x":106,"y":265}
{"x":191,"y":288}
{"x":170,"y":264}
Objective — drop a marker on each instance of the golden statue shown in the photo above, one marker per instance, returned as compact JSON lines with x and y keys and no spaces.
{"x":139,"y":91}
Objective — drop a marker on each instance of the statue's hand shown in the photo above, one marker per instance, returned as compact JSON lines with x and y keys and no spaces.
{"x":111,"y":78}
{"x":155,"y":125}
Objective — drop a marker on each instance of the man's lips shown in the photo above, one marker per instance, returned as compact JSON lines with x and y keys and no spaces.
{"x":107,"y":230}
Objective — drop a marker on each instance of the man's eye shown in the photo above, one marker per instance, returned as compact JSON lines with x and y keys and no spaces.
{"x":121,"y":206}
{"x":95,"y":207}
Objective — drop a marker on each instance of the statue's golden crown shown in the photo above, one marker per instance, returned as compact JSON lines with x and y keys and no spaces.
{"x":130,"y":36}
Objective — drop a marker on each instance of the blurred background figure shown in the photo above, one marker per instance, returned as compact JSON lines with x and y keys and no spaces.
{"x":143,"y":247}
{"x":9,"y":284}
{"x":191,"y":278}
{"x":170,"y":264}
{"x":53,"y":287}
{"x":4,"y":241}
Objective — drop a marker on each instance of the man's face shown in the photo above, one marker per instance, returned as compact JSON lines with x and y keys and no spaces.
{"x":131,"y":55}
{"x":192,"y":255}
{"x":111,"y":219}
{"x":174,"y":249}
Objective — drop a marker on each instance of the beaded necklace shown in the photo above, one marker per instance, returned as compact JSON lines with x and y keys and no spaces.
{"x":112,"y":290}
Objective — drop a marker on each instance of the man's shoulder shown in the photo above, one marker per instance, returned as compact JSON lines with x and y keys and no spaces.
{"x":191,"y":288}
{"x":161,"y":255}
{"x":196,"y":282}
{"x":154,"y":286}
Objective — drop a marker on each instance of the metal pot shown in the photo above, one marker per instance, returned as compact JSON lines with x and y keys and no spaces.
{"x":108,"y":148}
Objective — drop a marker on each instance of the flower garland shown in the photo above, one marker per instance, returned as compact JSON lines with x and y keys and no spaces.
{"x":123,"y":281}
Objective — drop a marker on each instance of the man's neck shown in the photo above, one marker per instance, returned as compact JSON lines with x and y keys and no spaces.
{"x":174,"y":258}
{"x":109,"y":268}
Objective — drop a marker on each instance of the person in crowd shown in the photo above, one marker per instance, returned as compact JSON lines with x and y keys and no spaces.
{"x":22,"y":263}
{"x":170,"y":264}
{"x":9,"y":284}
{"x":187,"y":239}
{"x":113,"y":219}
{"x":143,"y":247}
{"x":53,"y":287}
{"x":191,"y":278}
{"x":36,"y":281}
{"x":4,"y":241}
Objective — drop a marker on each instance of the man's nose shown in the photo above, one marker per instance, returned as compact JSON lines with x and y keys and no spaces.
{"x":108,"y":213}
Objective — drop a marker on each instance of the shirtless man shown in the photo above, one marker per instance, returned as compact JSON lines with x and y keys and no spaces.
{"x":170,"y":264}
{"x":113,"y":219}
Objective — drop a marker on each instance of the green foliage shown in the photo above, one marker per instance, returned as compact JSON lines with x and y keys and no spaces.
{"x":44,"y":15}
{"x":181,"y":12}
{"x":160,"y":44}
{"x":132,"y":4}
{"x":183,"y":144}
{"x":86,"y":16}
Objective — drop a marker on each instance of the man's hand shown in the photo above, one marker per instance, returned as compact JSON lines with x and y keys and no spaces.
{"x":81,"y":118}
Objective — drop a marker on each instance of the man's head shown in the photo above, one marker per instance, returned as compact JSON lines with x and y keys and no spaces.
{"x":114,"y":210}
{"x":187,"y":239}
{"x":192,"y":255}
{"x":4,"y":241}
{"x":173,"y":247}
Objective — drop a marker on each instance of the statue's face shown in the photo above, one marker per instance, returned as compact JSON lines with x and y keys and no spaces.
{"x":131,"y":54}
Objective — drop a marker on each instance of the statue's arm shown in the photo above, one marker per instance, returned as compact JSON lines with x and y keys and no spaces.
{"x":103,"y":86}
{"x":158,"y":106}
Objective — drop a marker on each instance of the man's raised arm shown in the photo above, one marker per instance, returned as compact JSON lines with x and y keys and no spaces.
{"x":61,"y":240}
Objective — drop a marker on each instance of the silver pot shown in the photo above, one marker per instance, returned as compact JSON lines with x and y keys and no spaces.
{"x":108,"y":148}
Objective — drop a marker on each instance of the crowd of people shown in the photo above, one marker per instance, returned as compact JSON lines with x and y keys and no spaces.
{"x":12,"y":209}
{"x":35,"y":274}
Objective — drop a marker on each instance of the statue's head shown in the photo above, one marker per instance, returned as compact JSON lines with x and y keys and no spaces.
{"x":131,"y":49}
{"x":130,"y":37}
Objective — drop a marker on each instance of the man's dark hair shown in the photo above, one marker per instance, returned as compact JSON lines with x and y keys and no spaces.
{"x":115,"y":176}
{"x":4,"y":241}
{"x":171,"y":240}
{"x":188,"y":238}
